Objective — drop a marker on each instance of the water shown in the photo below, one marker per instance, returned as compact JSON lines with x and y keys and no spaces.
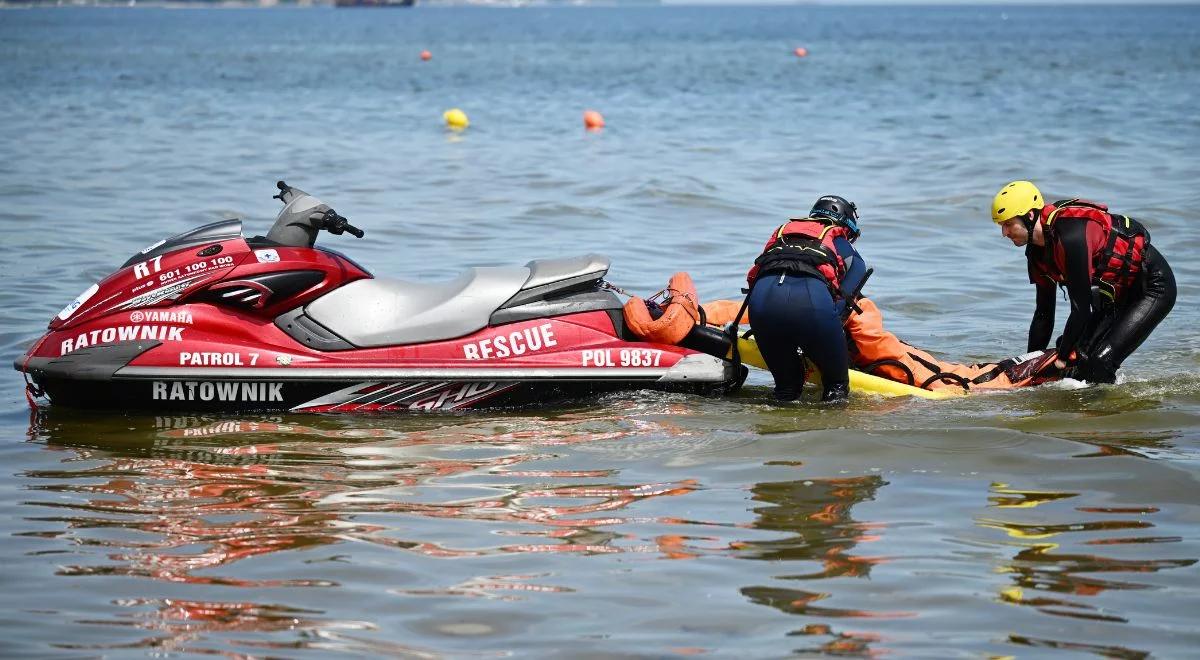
{"x":1050,"y":522}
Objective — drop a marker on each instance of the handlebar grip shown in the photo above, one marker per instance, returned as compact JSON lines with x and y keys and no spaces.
{"x":358,"y":233}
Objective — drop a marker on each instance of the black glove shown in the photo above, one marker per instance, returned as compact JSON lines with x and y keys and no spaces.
{"x":1094,"y":370}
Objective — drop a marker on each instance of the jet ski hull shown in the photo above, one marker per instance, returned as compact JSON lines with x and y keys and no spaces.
{"x":357,"y":396}
{"x":190,"y":360}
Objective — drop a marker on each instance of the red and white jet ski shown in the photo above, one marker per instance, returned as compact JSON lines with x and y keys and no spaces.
{"x":210,"y":320}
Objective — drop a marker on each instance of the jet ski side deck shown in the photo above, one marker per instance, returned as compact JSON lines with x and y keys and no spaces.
{"x":187,"y":366}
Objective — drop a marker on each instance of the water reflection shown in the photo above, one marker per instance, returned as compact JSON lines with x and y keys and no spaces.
{"x":1101,"y":650}
{"x":1054,"y":581}
{"x":815,"y":515}
{"x":193,"y":500}
{"x":183,"y":626}
{"x":272,"y":534}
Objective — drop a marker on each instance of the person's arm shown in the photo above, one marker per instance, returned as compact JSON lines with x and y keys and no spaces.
{"x":1073,"y":236}
{"x":1042,"y":325}
{"x":856,"y":267}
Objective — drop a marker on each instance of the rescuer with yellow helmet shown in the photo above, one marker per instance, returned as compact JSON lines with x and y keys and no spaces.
{"x":1119,"y":285}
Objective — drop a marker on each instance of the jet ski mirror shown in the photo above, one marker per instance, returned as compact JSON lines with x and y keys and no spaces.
{"x":303,"y":216}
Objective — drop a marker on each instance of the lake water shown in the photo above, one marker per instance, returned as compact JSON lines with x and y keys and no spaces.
{"x":1058,"y":521}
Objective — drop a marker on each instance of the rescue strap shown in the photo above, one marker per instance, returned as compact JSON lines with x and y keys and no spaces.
{"x":609,"y":286}
{"x":852,"y":298}
{"x":992,"y":373}
{"x":652,"y":302}
{"x":1129,"y":229}
{"x":939,"y":375}
{"x":1074,"y":201}
{"x":732,"y":330}
{"x":947,"y":377}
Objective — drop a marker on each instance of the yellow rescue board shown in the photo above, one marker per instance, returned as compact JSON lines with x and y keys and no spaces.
{"x":859,"y":381}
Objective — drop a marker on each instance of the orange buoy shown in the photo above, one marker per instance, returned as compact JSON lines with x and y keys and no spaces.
{"x":426,"y":56}
{"x":593,"y":120}
{"x":800,"y":51}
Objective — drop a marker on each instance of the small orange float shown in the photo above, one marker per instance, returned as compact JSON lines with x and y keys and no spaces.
{"x":593,"y":120}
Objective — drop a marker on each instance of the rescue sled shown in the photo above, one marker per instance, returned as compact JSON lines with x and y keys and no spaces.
{"x":882,"y":364}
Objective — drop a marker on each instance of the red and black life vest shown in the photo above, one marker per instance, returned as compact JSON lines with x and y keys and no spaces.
{"x":1116,"y":258}
{"x":803,"y":247}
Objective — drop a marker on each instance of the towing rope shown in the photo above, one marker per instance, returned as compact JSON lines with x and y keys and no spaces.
{"x":609,"y":286}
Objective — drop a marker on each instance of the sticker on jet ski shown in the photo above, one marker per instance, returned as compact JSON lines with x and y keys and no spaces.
{"x":161,"y":316}
{"x":143,"y":269}
{"x":121,"y":333}
{"x":407,"y":395}
{"x":153,"y":296}
{"x":153,"y":245}
{"x":518,"y":342}
{"x":211,"y":359}
{"x":172,"y":283}
{"x":192,"y":390}
{"x":625,"y":357}
{"x":78,"y":302}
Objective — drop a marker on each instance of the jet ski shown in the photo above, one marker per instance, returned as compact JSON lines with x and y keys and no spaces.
{"x":210,"y":320}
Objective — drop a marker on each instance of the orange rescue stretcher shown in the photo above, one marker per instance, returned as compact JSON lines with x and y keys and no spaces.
{"x":882,"y":363}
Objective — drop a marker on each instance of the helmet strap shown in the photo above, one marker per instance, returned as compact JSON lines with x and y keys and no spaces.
{"x":1029,"y":220}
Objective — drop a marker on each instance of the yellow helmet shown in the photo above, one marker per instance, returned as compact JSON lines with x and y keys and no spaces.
{"x":1017,"y":198}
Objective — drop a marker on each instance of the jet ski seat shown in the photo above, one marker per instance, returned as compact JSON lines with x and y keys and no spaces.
{"x":382,"y":312}
{"x":543,"y":272}
{"x":554,"y":277}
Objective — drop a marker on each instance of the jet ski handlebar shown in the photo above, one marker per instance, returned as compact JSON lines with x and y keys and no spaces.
{"x":335,"y":224}
{"x":303,"y":216}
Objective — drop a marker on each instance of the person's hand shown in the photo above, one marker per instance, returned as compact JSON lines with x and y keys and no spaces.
{"x":1049,"y":369}
{"x":1073,"y":358}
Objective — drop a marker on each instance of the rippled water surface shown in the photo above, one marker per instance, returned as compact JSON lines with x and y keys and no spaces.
{"x":1053,"y":522}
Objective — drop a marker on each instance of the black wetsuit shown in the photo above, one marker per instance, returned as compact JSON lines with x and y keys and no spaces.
{"x":1102,"y":333}
{"x":795,"y":312}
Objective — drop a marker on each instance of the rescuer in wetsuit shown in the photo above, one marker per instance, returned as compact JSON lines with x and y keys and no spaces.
{"x":1119,"y":285}
{"x":799,"y":289}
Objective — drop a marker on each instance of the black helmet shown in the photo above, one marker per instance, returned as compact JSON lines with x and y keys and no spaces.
{"x":839,"y":210}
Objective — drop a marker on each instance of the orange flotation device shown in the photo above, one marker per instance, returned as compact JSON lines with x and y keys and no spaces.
{"x":680,"y":312}
{"x":873,"y":349}
{"x":721,"y":312}
{"x":876,"y":351}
